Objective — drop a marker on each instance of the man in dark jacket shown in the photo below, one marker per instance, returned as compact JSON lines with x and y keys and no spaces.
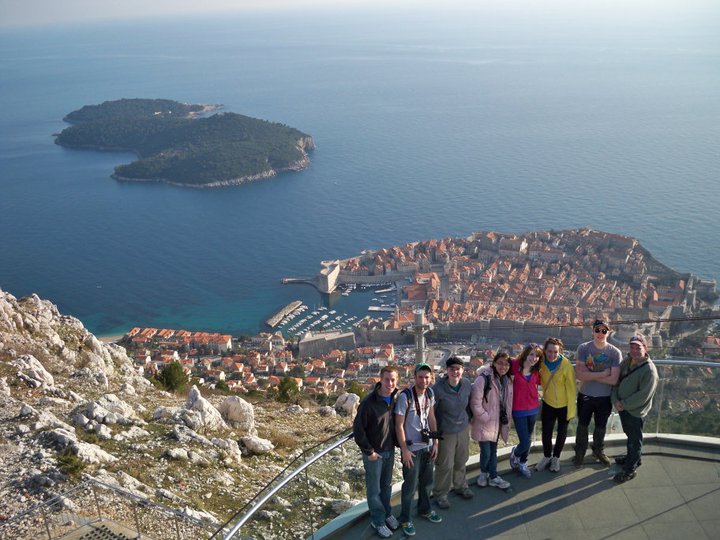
{"x":373,"y":430}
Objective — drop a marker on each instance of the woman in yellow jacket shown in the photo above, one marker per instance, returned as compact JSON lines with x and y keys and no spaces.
{"x":559,"y":403}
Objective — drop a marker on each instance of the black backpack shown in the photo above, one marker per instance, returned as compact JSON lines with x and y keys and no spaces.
{"x":486,"y":388}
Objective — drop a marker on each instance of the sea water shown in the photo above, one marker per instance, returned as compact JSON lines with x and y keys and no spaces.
{"x":427,"y":125}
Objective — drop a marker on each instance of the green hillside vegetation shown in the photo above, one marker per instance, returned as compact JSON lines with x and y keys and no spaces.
{"x":131,"y":107}
{"x":174,"y":146}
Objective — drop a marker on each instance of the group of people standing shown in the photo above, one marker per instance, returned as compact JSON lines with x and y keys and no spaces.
{"x":432,"y":424}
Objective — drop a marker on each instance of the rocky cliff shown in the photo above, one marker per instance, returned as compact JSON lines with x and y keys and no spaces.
{"x":71,"y":406}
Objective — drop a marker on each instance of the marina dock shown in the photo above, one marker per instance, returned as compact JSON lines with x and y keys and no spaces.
{"x":273,"y":321}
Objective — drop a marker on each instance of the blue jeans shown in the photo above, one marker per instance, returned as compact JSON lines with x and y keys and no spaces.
{"x":633,"y":428}
{"x":524,"y":426}
{"x":378,"y":486}
{"x":419,"y":476}
{"x":488,"y":458}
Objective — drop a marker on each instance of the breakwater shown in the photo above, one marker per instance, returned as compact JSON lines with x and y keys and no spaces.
{"x":275,"y":319}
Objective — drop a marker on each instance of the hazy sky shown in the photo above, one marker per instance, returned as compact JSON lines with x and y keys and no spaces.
{"x":41,"y":12}
{"x":50,"y":12}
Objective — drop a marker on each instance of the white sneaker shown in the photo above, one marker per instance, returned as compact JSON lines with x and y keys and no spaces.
{"x":514,"y":461}
{"x":392,"y":523}
{"x":542,"y":464}
{"x":482,"y":480}
{"x":499,"y":483}
{"x":555,"y":464}
{"x":523,"y":469}
{"x":382,"y":530}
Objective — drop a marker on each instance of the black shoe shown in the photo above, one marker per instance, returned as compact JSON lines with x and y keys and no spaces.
{"x":624,"y":477}
{"x":620,"y":460}
{"x":600,"y":456}
{"x":578,"y":460}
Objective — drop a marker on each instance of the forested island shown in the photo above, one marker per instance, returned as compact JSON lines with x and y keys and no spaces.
{"x":175,"y":144}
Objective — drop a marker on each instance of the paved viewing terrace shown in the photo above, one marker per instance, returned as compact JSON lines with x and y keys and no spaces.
{"x":676,"y":494}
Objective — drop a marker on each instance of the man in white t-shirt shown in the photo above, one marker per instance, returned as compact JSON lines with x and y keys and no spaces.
{"x":415,"y":428}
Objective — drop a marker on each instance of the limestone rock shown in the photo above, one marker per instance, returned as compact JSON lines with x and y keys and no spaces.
{"x":42,"y":420}
{"x":4,"y":387}
{"x":347,"y":404}
{"x":295,"y":409}
{"x":177,"y":454}
{"x":184,"y":435}
{"x":231,"y":449}
{"x":211,"y":417}
{"x":33,"y":372}
{"x":256,"y":445}
{"x":103,"y":432}
{"x":91,"y":453}
{"x":177,"y":415}
{"x":198,"y":514}
{"x":27,"y":410}
{"x":128,"y":389}
{"x":93,"y":377}
{"x":79,"y":420}
{"x":110,"y":409}
{"x":327,"y":411}
{"x":166,"y":415}
{"x":198,"y":458}
{"x":124,"y":481}
{"x":63,"y":439}
{"x":340,"y":506}
{"x":133,"y":433}
{"x":132,"y":484}
{"x":239,"y":414}
{"x":225,"y":479}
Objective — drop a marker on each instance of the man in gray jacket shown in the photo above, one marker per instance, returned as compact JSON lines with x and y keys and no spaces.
{"x":452,"y":395}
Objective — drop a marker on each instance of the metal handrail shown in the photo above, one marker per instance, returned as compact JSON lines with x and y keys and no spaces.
{"x":284,"y":482}
{"x":694,"y":363}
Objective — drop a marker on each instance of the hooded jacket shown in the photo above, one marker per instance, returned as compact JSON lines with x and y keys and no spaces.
{"x":485,"y":423}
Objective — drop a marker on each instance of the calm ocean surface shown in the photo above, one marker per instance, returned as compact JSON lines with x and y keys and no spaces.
{"x":427,"y":126}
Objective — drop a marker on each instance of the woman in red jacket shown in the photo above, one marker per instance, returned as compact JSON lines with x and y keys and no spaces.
{"x":525,"y":371}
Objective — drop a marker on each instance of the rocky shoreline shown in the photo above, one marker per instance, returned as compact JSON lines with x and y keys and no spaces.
{"x":305,"y":144}
{"x":297,"y":166}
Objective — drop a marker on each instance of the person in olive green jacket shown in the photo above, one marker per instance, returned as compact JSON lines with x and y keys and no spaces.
{"x":632,"y":397}
{"x":559,"y":402}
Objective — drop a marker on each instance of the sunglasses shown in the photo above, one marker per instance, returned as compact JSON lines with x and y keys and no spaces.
{"x":601,"y":331}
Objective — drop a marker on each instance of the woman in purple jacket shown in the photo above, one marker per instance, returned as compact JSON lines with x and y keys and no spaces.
{"x":525,"y":371}
{"x":491,"y":401}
